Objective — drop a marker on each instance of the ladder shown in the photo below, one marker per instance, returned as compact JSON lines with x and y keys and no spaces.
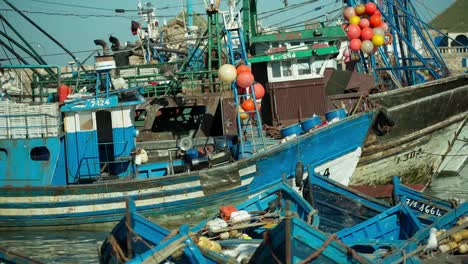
{"x":250,"y":130}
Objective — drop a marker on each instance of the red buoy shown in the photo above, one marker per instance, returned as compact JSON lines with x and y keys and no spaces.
{"x":245,"y":79}
{"x":248,"y":105}
{"x":243,"y":68}
{"x":375,"y":20}
{"x":258,"y":90}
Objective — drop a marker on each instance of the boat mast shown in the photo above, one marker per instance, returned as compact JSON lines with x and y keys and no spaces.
{"x":45,"y":33}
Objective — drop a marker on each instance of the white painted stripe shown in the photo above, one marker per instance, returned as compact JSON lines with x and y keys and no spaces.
{"x":83,"y":197}
{"x":247,"y":181}
{"x":97,"y":207}
{"x":248,"y":170}
{"x":122,"y":118}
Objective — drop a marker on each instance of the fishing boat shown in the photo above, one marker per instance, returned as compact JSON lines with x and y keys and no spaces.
{"x":425,"y":103}
{"x":428,"y":118}
{"x":420,"y":202}
{"x":294,"y":241}
{"x":81,"y":174}
{"x":446,"y":226}
{"x":340,"y":207}
{"x":385,"y":233}
{"x":136,"y":239}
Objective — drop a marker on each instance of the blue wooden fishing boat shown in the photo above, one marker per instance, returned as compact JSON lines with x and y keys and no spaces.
{"x":294,"y":241}
{"x":337,"y":205}
{"x":136,"y":239}
{"x":446,"y":222}
{"x":340,"y":207}
{"x":10,"y":257}
{"x":421,"y":203}
{"x":384,"y":233}
{"x":79,"y":163}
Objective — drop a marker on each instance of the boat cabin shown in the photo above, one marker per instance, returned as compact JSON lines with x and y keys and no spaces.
{"x":94,"y":141}
{"x":300,"y":71}
{"x":100,"y":136}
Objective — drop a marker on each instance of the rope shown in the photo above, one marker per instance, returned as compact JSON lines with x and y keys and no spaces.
{"x":266,"y":238}
{"x":320,"y":250}
{"x":272,"y":131}
{"x":116,"y":248}
{"x":137,"y":237}
{"x":317,"y":253}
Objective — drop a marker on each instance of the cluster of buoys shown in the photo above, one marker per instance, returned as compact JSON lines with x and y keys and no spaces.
{"x":365,"y":29}
{"x":246,"y":84}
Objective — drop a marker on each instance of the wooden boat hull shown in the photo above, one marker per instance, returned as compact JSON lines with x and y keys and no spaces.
{"x":275,"y":200}
{"x":293,"y":241}
{"x":338,"y":206}
{"x":419,"y":202}
{"x":427,"y":119}
{"x":178,"y":199}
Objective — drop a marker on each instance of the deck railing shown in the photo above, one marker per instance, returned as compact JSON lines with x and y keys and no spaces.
{"x":453,"y":50}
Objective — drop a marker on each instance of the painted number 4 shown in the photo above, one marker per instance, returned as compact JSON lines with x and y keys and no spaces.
{"x":100,"y":102}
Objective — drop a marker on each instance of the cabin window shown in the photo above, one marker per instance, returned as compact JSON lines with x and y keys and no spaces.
{"x":303,"y":67}
{"x":317,"y":65}
{"x":276,"y":69}
{"x":40,"y":154}
{"x":286,"y":68}
{"x":86,"y":121}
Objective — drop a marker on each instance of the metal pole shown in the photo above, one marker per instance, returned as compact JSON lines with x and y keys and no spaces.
{"x":22,"y":39}
{"x":287,"y":229}
{"x":45,"y":33}
{"x":38,"y":59}
{"x":16,"y":55}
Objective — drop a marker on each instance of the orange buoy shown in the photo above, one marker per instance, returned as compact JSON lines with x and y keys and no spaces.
{"x":258,"y":90}
{"x":370,"y":8}
{"x":248,"y":105}
{"x":375,"y":21}
{"x":243,"y":68}
{"x":245,"y":79}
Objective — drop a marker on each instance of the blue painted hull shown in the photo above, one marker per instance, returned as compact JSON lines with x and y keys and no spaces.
{"x":341,"y":207}
{"x":422,"y":204}
{"x":338,"y":206}
{"x":446,"y":222}
{"x":303,"y":242}
{"x":385,"y":233}
{"x":152,"y":237}
{"x":179,"y":198}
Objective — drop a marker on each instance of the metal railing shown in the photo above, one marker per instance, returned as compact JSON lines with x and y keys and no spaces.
{"x":453,"y":50}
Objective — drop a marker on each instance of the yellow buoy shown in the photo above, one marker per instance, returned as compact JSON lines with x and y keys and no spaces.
{"x":378,"y":40}
{"x":243,"y":115}
{"x":354,"y":20}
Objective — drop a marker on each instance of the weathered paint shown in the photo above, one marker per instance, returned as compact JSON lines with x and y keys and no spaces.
{"x":21,"y":169}
{"x":176,"y":197}
{"x":426,"y":119}
{"x":414,"y":158}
